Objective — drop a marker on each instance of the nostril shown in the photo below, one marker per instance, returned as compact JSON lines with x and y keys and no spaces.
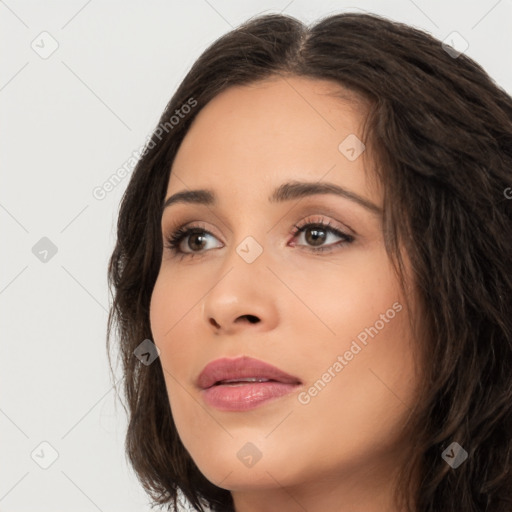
{"x":253,"y":319}
{"x":214,"y":323}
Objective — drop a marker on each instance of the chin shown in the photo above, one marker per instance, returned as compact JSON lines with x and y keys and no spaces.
{"x":234,"y":468}
{"x":243,"y":479}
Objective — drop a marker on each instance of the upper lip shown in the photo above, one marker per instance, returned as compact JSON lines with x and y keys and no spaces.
{"x":241,"y":368}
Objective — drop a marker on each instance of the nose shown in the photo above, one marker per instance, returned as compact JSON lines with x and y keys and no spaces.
{"x":244,"y":297}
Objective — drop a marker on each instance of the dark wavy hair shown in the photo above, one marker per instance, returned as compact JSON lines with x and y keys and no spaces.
{"x":441,"y":132}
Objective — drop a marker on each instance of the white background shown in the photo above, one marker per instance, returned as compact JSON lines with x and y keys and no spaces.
{"x":68,"y":123}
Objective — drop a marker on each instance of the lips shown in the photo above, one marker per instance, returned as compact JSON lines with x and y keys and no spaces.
{"x":243,"y":383}
{"x":241,"y":370}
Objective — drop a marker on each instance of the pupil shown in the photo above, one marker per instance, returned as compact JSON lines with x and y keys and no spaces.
{"x":191,"y":238}
{"x":315,"y":239}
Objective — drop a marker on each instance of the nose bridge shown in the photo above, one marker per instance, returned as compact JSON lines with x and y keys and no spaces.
{"x":242,"y":287}
{"x":245,"y":261}
{"x":248,"y":237}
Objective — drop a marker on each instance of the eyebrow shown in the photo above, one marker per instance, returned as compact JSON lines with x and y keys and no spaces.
{"x":285,"y":192}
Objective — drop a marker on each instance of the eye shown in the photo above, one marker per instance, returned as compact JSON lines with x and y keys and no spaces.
{"x":193,"y":241}
{"x":317,"y":233}
{"x":188,"y":241}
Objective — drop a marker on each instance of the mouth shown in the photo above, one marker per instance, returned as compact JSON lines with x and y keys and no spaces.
{"x":243,"y":383}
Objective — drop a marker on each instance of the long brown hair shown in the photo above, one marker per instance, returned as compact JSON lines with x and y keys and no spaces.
{"x":441,"y":131}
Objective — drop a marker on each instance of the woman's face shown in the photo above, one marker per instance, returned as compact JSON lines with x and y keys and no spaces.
{"x":334,"y":321}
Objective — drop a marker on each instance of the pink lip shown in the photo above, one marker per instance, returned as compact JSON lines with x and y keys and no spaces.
{"x":241,"y":396}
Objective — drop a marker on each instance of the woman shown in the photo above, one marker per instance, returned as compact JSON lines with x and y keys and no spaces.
{"x":316,"y":244}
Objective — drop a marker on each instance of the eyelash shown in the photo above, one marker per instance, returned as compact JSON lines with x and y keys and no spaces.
{"x":174,"y":240}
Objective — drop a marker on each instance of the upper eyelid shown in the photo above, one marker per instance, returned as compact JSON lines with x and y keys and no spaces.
{"x":319,"y":217}
{"x":306,"y":221}
{"x":312,"y":206}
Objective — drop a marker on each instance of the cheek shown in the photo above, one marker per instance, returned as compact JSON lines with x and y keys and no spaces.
{"x":172,"y":301}
{"x":346,"y":295}
{"x":365,"y":322}
{"x":172,"y":334}
{"x":362,"y":398}
{"x":162,"y":312}
{"x":174,"y":337}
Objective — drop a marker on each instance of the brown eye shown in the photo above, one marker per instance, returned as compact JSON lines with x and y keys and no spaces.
{"x":189,"y":241}
{"x":196,"y":241}
{"x":315,"y":236}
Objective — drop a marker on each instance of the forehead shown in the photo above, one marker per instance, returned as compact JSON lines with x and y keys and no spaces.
{"x":273,"y":130}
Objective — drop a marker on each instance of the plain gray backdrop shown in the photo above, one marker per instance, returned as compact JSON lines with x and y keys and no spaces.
{"x":83,"y":84}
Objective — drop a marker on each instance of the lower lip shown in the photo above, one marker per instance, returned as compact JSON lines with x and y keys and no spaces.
{"x":242,"y":397}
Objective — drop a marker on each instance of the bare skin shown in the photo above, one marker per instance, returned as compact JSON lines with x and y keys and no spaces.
{"x":333,"y":449}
